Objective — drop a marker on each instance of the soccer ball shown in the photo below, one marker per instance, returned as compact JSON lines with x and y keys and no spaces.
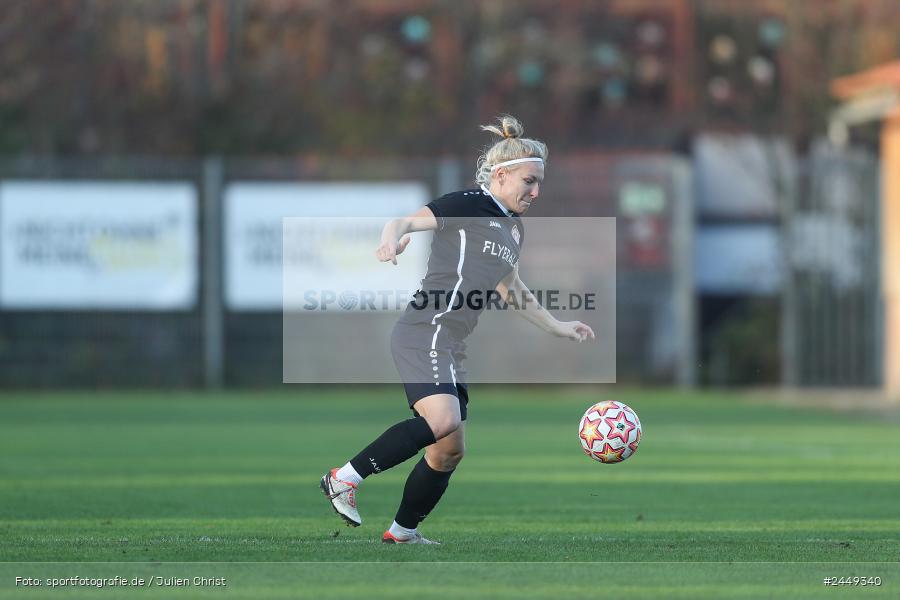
{"x":609,"y":432}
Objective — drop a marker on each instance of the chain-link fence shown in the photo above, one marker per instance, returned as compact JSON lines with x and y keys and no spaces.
{"x":214,"y":337}
{"x":833,"y":319}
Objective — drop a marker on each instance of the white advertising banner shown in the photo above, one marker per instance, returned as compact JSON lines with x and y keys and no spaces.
{"x":98,"y":245}
{"x":339,"y":222}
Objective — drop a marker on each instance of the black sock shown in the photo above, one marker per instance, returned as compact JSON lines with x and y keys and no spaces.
{"x":424,"y":487}
{"x":398,"y":443}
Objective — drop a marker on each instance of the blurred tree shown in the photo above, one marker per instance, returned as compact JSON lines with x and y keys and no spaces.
{"x":188,"y":77}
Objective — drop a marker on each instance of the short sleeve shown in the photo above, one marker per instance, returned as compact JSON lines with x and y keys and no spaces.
{"x":457,"y":205}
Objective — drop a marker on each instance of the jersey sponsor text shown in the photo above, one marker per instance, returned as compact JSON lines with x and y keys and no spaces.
{"x":502,"y":252}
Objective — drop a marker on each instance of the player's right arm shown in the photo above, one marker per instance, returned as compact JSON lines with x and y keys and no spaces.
{"x":511,"y":287}
{"x":393,"y":237}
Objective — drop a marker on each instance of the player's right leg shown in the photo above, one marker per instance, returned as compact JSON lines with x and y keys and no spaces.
{"x":424,"y":488}
{"x":396,"y":445}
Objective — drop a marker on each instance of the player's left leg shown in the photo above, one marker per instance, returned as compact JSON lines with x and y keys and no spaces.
{"x":425,"y":486}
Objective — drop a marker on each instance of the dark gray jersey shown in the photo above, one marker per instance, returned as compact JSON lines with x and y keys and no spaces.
{"x":476,"y":245}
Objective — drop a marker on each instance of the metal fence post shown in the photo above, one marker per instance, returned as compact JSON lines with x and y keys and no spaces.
{"x":683,"y":275}
{"x":211,"y":268}
{"x":789,"y":325}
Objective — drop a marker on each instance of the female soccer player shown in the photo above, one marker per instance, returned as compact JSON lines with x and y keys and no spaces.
{"x":477,"y":241}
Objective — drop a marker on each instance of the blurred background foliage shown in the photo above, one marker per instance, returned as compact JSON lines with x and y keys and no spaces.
{"x":412,"y":77}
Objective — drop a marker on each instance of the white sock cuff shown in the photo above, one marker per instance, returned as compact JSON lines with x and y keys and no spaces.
{"x":348,"y":473}
{"x":400,"y":531}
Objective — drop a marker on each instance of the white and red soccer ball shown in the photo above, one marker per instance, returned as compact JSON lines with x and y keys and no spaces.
{"x":609,"y":432}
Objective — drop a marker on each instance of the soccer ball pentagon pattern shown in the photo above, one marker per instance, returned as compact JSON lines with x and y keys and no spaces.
{"x":609,"y":432}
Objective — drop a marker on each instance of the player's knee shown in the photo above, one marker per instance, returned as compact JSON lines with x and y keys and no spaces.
{"x":453,"y":458}
{"x":444,"y":425}
{"x":446,"y":460}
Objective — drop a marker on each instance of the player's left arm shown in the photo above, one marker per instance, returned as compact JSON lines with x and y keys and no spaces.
{"x":516,"y":293}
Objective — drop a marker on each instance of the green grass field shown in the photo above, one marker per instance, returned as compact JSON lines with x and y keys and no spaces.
{"x":725,"y":497}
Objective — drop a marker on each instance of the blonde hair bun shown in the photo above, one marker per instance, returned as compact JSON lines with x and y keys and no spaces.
{"x":511,"y":147}
{"x":510,"y":127}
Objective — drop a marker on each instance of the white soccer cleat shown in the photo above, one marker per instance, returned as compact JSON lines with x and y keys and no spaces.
{"x":390,"y":538}
{"x":342,"y":495}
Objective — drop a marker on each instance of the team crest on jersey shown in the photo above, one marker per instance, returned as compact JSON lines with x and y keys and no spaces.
{"x":515,"y":233}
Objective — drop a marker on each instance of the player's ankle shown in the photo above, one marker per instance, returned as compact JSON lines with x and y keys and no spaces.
{"x":348,"y":474}
{"x":400,"y":531}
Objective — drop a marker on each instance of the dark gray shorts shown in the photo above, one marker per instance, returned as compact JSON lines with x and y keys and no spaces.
{"x":430,"y":361}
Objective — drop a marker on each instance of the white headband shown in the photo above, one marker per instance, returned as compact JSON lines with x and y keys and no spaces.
{"x":516,"y":161}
